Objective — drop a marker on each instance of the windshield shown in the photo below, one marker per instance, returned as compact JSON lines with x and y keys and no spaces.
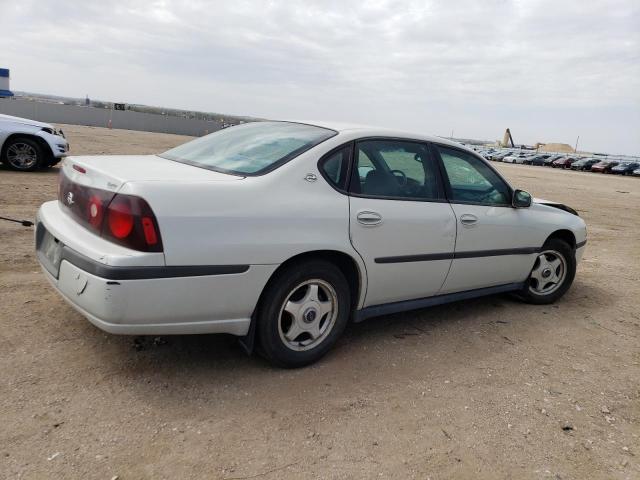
{"x":250,"y":149}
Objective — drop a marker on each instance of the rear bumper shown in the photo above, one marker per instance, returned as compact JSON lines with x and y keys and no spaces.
{"x":116,"y":308}
{"x":184,"y":305}
{"x":149,"y":299}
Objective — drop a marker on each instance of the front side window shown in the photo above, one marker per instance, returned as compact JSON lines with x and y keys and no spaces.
{"x":250,"y":149}
{"x":471,"y":180}
{"x":395,"y":169}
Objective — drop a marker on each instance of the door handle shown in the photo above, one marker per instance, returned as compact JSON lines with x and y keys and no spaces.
{"x":468,"y":219}
{"x":369,"y":218}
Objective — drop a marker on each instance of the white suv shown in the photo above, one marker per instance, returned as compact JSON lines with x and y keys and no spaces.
{"x":282,"y":232}
{"x":28,"y":145}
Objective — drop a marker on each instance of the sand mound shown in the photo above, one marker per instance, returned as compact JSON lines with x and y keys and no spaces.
{"x":556,"y":147}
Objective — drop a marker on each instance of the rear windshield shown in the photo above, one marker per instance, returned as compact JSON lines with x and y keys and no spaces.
{"x":250,"y":149}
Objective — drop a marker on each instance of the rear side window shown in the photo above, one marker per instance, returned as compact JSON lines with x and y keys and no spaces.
{"x":334,"y":167}
{"x":396,"y":170}
{"x":250,"y":149}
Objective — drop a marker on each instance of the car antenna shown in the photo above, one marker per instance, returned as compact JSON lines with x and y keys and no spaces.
{"x":24,"y":223}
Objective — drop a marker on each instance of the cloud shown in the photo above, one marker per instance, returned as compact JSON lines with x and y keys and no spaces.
{"x":549,"y":70}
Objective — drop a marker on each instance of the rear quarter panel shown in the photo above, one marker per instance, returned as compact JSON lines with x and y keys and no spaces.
{"x":258,"y":220}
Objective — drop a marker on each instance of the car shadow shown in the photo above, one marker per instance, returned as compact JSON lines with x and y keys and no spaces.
{"x":172,"y":364}
{"x":43,"y":171}
{"x":221,"y":352}
{"x":427,"y":320}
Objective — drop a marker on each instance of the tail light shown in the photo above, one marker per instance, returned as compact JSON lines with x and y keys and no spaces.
{"x":120,"y":219}
{"x":130,"y":222}
{"x":124,"y":219}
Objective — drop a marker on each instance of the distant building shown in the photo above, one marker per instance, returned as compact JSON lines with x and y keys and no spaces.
{"x":4,"y":83}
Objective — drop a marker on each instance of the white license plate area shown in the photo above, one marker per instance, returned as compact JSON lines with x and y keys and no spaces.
{"x":49,"y":250}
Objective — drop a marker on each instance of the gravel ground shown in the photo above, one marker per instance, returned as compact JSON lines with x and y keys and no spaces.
{"x":489,"y":388}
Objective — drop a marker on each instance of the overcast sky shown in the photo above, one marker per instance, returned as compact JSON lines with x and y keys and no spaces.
{"x":548,"y":69}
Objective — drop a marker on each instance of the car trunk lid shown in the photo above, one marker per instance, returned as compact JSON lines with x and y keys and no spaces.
{"x":89,"y":190}
{"x":110,"y":172}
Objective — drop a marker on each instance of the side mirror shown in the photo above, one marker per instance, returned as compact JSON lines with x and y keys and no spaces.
{"x":521,"y":199}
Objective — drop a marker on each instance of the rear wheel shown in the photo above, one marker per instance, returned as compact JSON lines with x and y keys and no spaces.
{"x":552,"y":273}
{"x":303,"y":313}
{"x":23,"y":154}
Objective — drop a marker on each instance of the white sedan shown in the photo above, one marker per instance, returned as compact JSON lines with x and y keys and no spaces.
{"x":28,"y":145}
{"x":516,"y":158}
{"x":282,"y":232}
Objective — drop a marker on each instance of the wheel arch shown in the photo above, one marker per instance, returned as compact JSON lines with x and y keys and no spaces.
{"x":348,"y":265}
{"x":565,"y":235}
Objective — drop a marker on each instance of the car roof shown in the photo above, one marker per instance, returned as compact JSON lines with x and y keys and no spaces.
{"x":372,"y":131}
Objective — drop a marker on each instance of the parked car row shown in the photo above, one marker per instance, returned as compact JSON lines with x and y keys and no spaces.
{"x":619,"y":166}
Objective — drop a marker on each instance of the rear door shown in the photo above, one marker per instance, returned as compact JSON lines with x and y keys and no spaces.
{"x":400,"y":222}
{"x":494,"y":242}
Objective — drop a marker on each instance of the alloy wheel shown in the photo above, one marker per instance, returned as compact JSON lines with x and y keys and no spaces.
{"x":22,"y":156}
{"x":548,"y":274}
{"x":308,"y":315}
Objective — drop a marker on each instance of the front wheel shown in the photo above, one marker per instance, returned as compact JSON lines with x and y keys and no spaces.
{"x":303,"y":312}
{"x":552,"y":273}
{"x":23,"y":154}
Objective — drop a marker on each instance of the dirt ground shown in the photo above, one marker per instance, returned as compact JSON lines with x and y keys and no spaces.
{"x":489,"y":388}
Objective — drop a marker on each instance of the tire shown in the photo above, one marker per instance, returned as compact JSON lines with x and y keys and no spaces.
{"x":23,"y":154}
{"x":53,"y":162}
{"x":290,"y":304}
{"x":535,"y":291}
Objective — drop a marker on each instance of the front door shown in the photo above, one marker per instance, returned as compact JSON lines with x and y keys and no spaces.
{"x":493,"y":244}
{"x":400,"y":223}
